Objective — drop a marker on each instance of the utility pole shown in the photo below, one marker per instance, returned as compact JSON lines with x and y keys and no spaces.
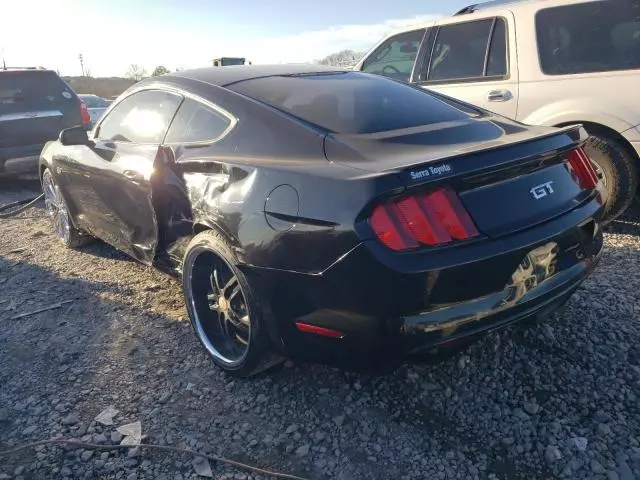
{"x":81,"y":64}
{"x":4,"y":64}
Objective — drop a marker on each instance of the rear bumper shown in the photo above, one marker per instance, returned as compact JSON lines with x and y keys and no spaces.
{"x":19,"y":160}
{"x":382,"y":311}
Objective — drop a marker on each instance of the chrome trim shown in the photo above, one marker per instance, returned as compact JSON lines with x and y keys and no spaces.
{"x":7,"y":117}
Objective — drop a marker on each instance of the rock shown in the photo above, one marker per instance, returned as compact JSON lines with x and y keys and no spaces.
{"x":531,"y":408}
{"x":303,"y":450}
{"x":579,"y":443}
{"x":116,"y":437}
{"x":262,"y":398}
{"x":339,"y":420}
{"x":290,"y":429}
{"x":521,"y":414}
{"x":86,"y":455}
{"x":4,"y":414}
{"x":552,"y":454}
{"x":604,"y":429}
{"x":29,"y":430}
{"x":613,"y":475}
{"x":65,"y":472}
{"x":596,"y":467}
{"x":202,"y":467}
{"x":70,"y":419}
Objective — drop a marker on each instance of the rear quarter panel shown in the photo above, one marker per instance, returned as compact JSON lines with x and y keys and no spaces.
{"x":269,"y":189}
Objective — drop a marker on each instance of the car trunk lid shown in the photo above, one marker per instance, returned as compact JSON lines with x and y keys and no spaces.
{"x":505,"y":180}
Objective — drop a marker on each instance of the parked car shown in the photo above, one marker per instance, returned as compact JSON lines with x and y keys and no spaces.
{"x":96,"y":106}
{"x":555,"y":63}
{"x":35,"y":105}
{"x":330,"y":214}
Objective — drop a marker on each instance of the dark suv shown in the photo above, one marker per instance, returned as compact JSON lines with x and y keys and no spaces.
{"x":35,"y":105}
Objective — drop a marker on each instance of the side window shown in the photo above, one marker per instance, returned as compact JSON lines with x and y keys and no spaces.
{"x":589,"y":37}
{"x":395,"y":57}
{"x":142,"y":117}
{"x":470,"y":50}
{"x":196,"y":122}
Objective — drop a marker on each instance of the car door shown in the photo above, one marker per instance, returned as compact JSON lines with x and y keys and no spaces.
{"x":182,"y":178}
{"x":109,"y":182}
{"x":474,"y":61}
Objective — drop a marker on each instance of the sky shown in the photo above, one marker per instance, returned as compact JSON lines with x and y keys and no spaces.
{"x":113,"y":34}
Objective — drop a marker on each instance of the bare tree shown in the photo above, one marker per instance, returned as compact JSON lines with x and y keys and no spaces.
{"x":343,"y":58}
{"x":136,"y":72}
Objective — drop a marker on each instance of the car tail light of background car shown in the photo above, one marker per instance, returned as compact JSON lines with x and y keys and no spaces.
{"x":84,"y":113}
{"x":433,"y":218}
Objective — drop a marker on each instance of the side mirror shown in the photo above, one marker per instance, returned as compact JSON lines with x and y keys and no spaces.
{"x":74,"y":136}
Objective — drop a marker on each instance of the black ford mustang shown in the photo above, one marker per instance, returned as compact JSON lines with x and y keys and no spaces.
{"x":330,"y":213}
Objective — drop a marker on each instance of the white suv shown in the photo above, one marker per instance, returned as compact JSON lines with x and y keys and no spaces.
{"x":541,"y":62}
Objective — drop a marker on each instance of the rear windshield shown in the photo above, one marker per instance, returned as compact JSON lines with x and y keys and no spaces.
{"x":589,"y":37}
{"x":350,"y":102}
{"x":94,"y":101}
{"x":32,"y":89}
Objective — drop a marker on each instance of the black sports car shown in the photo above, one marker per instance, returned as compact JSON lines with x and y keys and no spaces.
{"x":327,"y":213}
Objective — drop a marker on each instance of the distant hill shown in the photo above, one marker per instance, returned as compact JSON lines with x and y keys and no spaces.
{"x":106,"y":87}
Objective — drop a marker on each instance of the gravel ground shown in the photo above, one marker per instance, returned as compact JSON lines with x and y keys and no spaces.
{"x":559,"y":399}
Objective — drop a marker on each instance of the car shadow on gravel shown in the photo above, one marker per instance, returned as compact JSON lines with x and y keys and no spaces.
{"x":105,"y":345}
{"x":628,"y":223}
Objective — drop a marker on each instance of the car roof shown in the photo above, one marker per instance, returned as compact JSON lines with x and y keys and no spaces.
{"x":222,"y":76}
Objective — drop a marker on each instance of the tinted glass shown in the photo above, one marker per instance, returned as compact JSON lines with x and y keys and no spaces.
{"x":196,"y":122}
{"x":33,"y":89}
{"x":350,"y":102}
{"x":460,"y":50}
{"x":140,"y":118}
{"x":395,"y":57}
{"x":497,"y":61}
{"x":589,"y":37}
{"x":93,"y":101}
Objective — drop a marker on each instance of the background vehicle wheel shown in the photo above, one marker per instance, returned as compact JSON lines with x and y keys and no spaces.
{"x":59,"y":214}
{"x":618,"y":170}
{"x":223,"y":311}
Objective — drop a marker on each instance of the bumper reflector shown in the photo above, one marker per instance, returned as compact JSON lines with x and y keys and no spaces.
{"x":323,"y":332}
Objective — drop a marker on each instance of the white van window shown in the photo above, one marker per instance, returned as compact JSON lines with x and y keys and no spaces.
{"x":469,"y":50}
{"x":395,"y":57}
{"x":589,"y":37}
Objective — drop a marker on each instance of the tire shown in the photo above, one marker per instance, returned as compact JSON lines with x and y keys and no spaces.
{"x":620,"y":172}
{"x":209,"y":263}
{"x":57,"y":209}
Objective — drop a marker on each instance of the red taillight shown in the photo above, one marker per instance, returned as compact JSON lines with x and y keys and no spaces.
{"x":84,"y":113}
{"x":582,"y":170}
{"x":434,"y":218}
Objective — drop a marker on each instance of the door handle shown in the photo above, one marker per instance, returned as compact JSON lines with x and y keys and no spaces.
{"x":499,"y":96}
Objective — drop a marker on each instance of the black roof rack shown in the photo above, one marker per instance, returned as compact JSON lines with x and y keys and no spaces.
{"x":481,"y":6}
